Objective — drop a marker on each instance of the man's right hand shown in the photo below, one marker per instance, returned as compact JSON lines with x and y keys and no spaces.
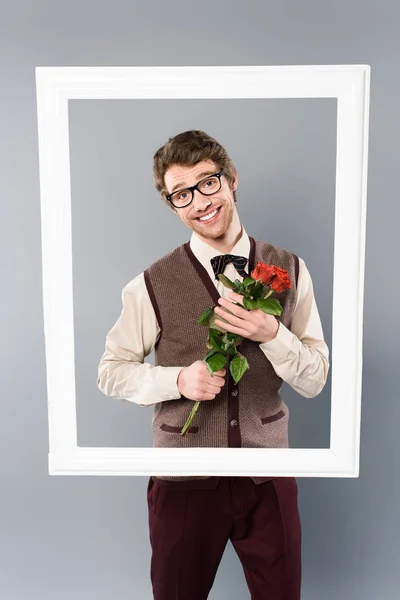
{"x":196,"y":383}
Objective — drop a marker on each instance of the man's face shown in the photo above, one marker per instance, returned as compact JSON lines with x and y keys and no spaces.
{"x":201,"y":205}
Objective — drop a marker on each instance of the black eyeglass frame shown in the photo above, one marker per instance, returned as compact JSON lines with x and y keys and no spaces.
{"x":195,"y":187}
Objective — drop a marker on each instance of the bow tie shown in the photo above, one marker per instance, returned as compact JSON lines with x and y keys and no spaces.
{"x":219,"y":263}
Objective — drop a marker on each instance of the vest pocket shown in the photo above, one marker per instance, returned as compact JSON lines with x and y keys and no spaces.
{"x":276,"y":417}
{"x":171,"y":429}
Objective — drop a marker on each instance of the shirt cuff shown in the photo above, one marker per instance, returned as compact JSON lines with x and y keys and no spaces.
{"x":165,"y":387}
{"x":170,"y":383}
{"x":280,"y":346}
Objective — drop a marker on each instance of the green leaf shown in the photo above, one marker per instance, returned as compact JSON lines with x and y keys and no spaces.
{"x":215,"y":362}
{"x":213,"y":325}
{"x":270,"y":306}
{"x":211,"y":353}
{"x":205,"y":316}
{"x":226,"y":282}
{"x":249,"y":303}
{"x":228,"y":345}
{"x":247,"y":281}
{"x":257,"y":290}
{"x":215,"y":339}
{"x":238,"y":367}
{"x":232,"y":351}
{"x":227,"y":341}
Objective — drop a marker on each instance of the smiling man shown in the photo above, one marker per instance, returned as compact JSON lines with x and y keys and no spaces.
{"x":223,"y":229}
{"x":191,"y":518}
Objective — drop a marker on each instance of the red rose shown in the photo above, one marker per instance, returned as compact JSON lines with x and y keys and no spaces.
{"x":263,"y":271}
{"x":278,"y":279}
{"x":281,"y":281}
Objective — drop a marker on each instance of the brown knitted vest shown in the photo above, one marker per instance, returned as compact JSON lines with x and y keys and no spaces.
{"x":249,"y":414}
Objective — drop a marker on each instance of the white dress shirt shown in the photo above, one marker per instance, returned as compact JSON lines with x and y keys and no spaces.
{"x":299,"y":355}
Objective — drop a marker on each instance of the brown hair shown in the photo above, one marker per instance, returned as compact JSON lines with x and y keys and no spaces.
{"x":188,"y":149}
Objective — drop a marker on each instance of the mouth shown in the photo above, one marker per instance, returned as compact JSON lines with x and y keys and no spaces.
{"x":212,"y":219}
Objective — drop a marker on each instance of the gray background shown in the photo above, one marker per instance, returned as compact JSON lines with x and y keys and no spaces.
{"x":87,"y":537}
{"x":285,"y":154}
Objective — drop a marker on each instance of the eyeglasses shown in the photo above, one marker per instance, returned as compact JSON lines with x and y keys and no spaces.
{"x":208,"y":186}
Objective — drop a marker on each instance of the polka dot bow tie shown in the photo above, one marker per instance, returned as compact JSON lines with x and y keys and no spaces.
{"x":219,"y":263}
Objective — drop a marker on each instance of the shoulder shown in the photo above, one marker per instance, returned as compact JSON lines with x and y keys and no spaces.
{"x":272,"y":247}
{"x":134,"y":286}
{"x":171,"y":257}
{"x":273,"y":250}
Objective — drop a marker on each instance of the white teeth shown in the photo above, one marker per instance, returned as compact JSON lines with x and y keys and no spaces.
{"x":210,"y":216}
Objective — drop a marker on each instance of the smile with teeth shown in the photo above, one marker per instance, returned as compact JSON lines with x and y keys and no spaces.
{"x":210,"y":216}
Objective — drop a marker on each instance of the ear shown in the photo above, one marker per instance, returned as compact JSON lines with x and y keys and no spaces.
{"x":235,"y":179}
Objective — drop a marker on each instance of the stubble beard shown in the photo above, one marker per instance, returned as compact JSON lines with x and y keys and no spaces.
{"x":220,"y":230}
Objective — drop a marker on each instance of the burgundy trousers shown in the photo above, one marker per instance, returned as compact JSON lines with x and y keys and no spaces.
{"x":189,"y":530}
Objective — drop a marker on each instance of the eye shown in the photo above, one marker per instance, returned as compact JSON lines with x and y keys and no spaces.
{"x":209,"y":183}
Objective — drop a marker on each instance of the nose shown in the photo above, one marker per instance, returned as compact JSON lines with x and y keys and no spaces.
{"x":200,"y":202}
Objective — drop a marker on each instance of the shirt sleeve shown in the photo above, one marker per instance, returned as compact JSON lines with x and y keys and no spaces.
{"x":122,"y":372}
{"x":300,"y":355}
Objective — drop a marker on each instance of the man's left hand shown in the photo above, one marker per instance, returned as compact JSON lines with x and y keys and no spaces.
{"x":255,"y":324}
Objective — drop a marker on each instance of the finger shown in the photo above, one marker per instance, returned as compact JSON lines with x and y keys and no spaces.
{"x":212,"y":389}
{"x":207,"y":396}
{"x":236,"y":297}
{"x":233,"y":308}
{"x":214,"y":380}
{"x":220,"y":381}
{"x":231,"y":318}
{"x":232,"y":328}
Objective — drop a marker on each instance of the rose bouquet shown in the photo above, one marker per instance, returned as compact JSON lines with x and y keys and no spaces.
{"x":256,"y":289}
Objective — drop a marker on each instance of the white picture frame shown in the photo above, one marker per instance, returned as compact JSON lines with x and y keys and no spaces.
{"x":350,"y":84}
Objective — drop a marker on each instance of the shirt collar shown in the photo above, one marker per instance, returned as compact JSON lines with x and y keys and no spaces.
{"x":204,"y":252}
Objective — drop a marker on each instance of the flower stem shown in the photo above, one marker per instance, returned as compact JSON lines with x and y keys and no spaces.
{"x":267,"y":295}
{"x":190,"y":418}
